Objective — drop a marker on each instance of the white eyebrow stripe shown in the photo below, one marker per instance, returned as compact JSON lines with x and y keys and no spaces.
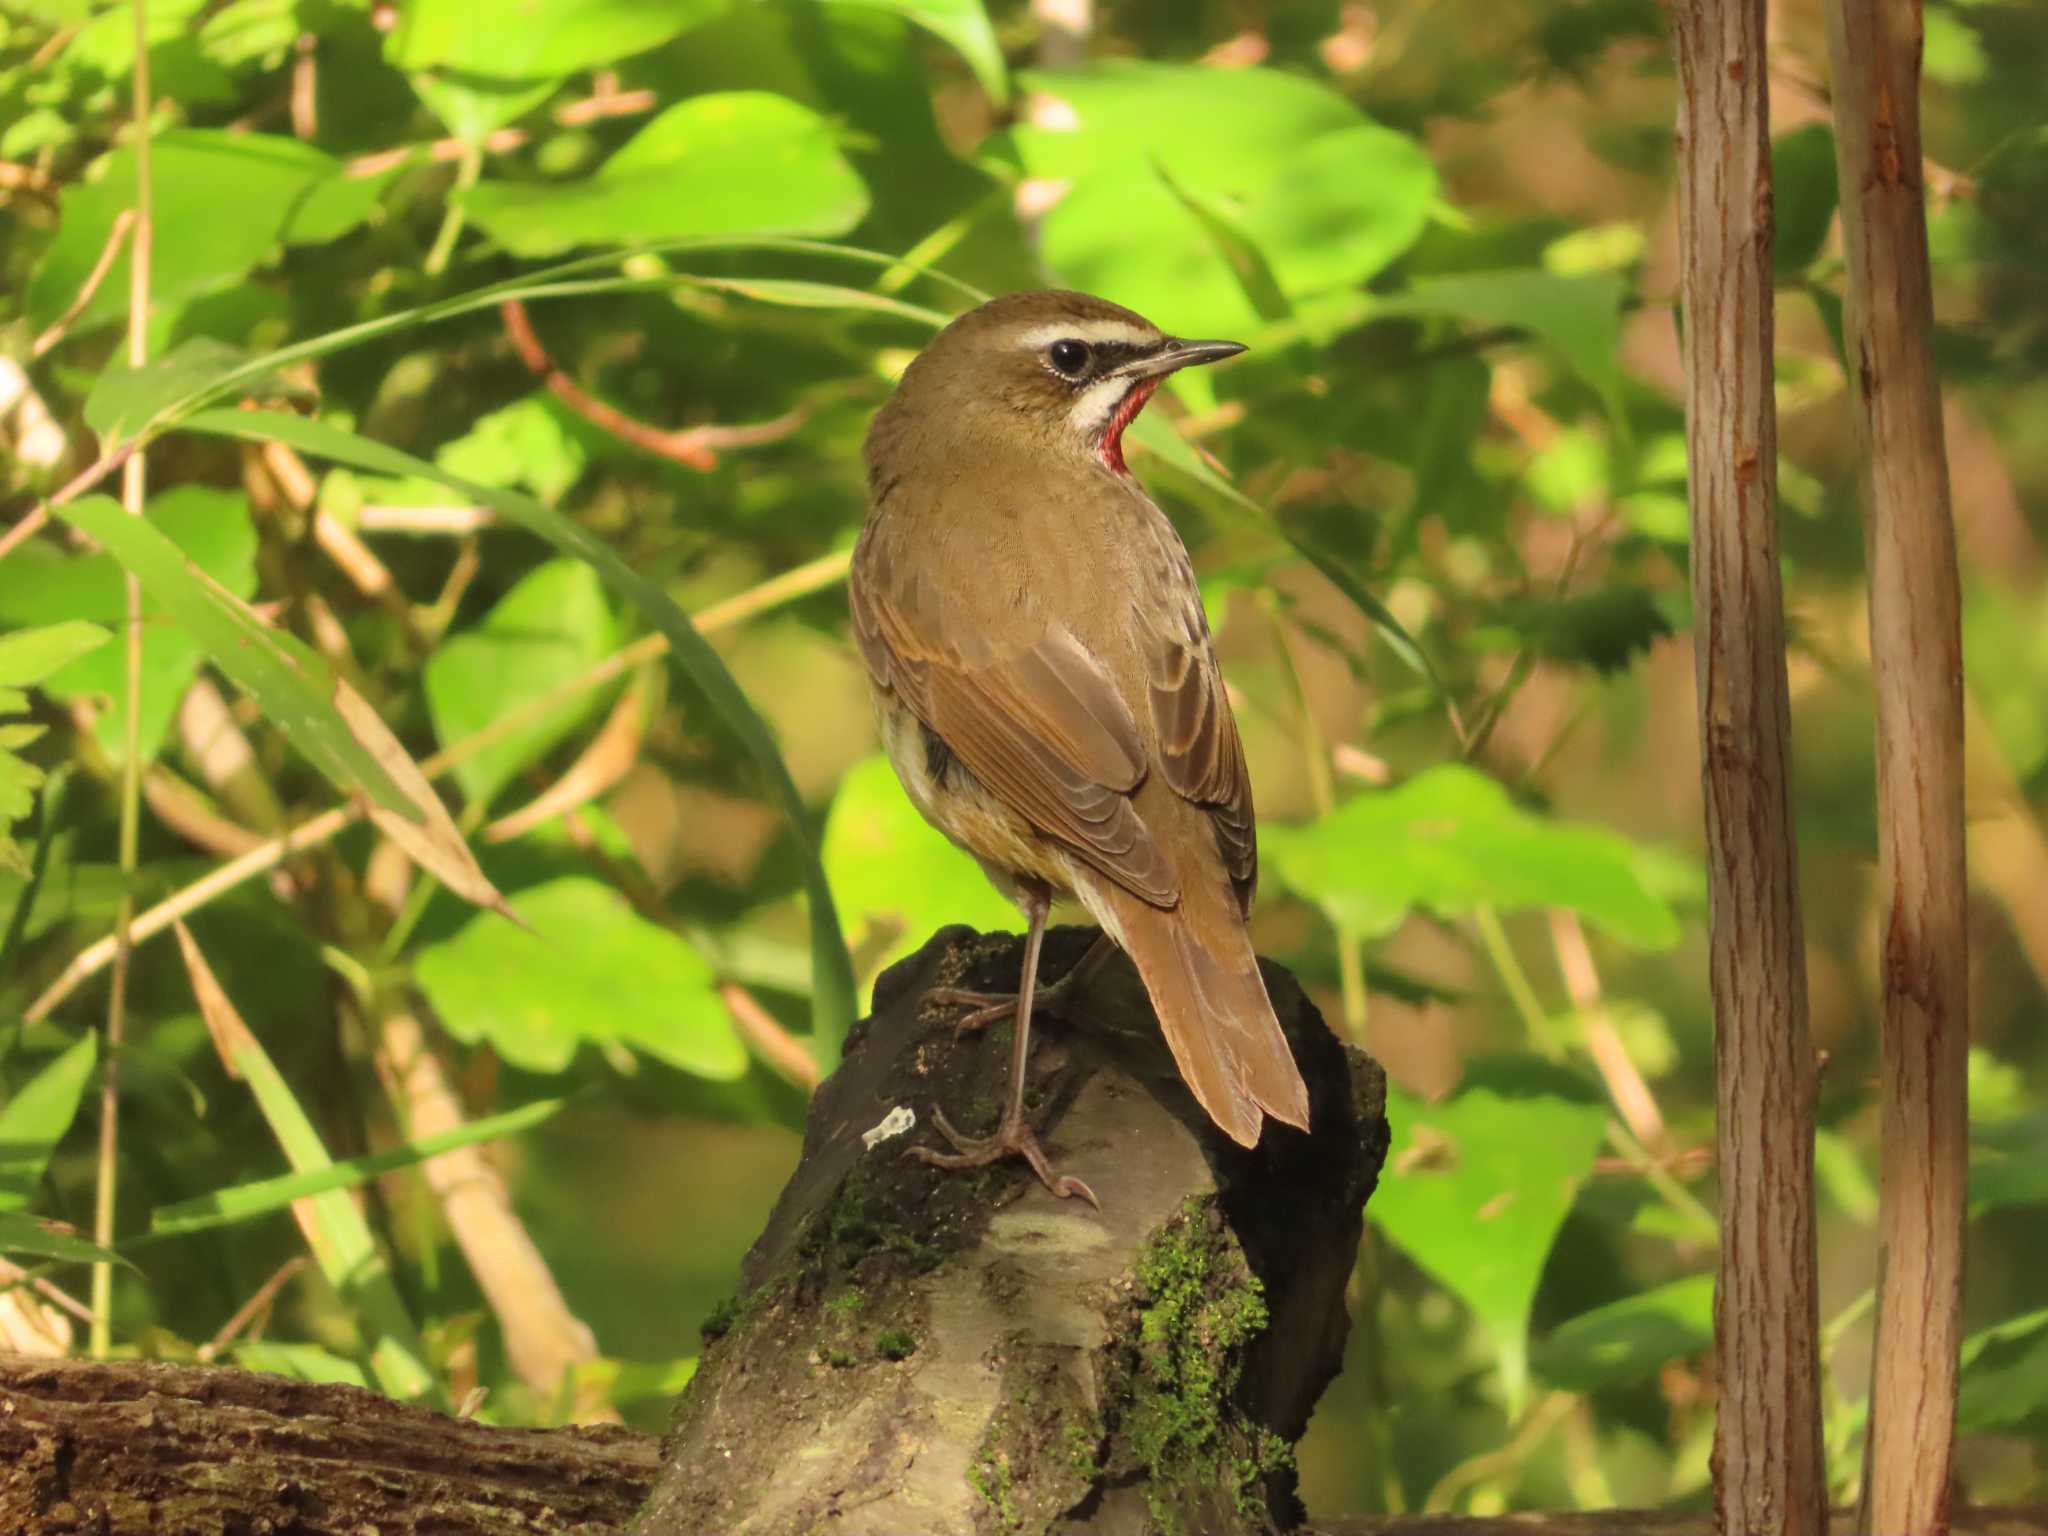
{"x":1088,"y":330}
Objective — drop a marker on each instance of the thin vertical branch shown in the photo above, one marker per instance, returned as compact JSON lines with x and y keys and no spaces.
{"x":1917,"y":661}
{"x":134,"y":489}
{"x":1768,"y":1453}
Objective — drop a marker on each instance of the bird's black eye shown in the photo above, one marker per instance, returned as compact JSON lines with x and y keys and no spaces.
{"x":1069,"y":356}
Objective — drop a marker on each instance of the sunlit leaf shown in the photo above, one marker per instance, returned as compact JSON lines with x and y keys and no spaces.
{"x":552,"y":626}
{"x":961,"y":24}
{"x":1326,"y":197}
{"x":832,"y":1000}
{"x":1628,"y":1340}
{"x":300,"y":1362}
{"x":36,"y":1118}
{"x":1449,"y":841}
{"x":545,"y":37}
{"x":891,"y":867}
{"x":1475,"y":1191}
{"x":32,"y":1237}
{"x":591,"y":970}
{"x":721,"y":163}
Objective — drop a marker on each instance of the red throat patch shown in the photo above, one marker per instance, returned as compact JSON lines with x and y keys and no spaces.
{"x":1112,"y":449}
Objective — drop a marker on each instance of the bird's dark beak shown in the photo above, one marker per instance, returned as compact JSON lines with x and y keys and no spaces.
{"x":1177,"y":354}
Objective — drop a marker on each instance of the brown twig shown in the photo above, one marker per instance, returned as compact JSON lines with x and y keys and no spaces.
{"x":691,"y":446}
{"x":1769,"y":1457}
{"x":124,"y":221}
{"x":781,"y":1051}
{"x":256,"y":1307}
{"x":504,"y":140}
{"x":34,"y":521}
{"x":1916,"y":659}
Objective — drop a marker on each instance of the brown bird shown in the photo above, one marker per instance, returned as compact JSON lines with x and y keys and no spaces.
{"x":1047,"y":691}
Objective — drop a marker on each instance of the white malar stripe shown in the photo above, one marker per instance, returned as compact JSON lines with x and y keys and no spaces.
{"x":1088,"y":330}
{"x":1094,"y":406}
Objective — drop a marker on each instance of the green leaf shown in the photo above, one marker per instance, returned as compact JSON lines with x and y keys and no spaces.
{"x":1476,"y":1190}
{"x":796,"y":293}
{"x":322,"y":715}
{"x":724,"y":163}
{"x":1604,"y":629}
{"x":2009,"y":1162}
{"x":334,"y":1228}
{"x":528,"y":444}
{"x":1325,"y":196}
{"x":888,"y":865}
{"x":1450,"y":840}
{"x":244,"y":1201}
{"x":1803,"y":196}
{"x":301,"y":1362}
{"x":591,"y":970}
{"x":962,"y":25}
{"x":1578,"y":316}
{"x":42,"y":583}
{"x":2004,"y":1388}
{"x":30,"y":655}
{"x":36,"y":1118}
{"x":545,"y":37}
{"x":832,"y":1000}
{"x":33,"y":1237}
{"x":1627,"y":1340}
{"x":221,"y":201}
{"x":551,"y":627}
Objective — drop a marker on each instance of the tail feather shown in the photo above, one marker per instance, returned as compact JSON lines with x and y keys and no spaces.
{"x":1199,"y":970}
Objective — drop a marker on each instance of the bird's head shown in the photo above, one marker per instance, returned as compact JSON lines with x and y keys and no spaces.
{"x":1060,"y":371}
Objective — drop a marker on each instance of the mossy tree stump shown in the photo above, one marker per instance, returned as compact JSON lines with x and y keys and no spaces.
{"x":914,"y":1350}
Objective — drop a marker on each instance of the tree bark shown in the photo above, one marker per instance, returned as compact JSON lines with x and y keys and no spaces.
{"x":145,"y":1449}
{"x":927,"y":1352}
{"x":1768,"y":1453}
{"x":1916,"y":658}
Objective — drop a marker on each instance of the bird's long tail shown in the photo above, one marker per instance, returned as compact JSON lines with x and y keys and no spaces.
{"x":1199,"y":970}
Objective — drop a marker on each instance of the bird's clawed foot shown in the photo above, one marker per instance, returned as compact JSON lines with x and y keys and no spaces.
{"x":1013,"y":1138}
{"x":1053,"y":999}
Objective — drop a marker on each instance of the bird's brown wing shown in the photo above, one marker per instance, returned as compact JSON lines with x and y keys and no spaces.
{"x":1199,"y":750}
{"x":1026,"y":709}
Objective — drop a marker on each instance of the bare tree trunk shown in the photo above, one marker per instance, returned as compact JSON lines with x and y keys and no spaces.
{"x":1916,"y":656}
{"x":1768,"y":1453}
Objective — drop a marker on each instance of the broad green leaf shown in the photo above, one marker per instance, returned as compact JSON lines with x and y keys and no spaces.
{"x":1627,"y":1340}
{"x":36,"y":1118}
{"x":591,"y":970}
{"x":723,"y":163}
{"x":473,"y":107}
{"x":323,"y":716}
{"x":41,"y":583}
{"x":544,"y":37}
{"x":2004,"y":1386}
{"x":244,"y":1201}
{"x":551,"y":627}
{"x":1475,"y":1191}
{"x":832,"y":1000}
{"x":2009,"y":1162}
{"x":30,"y":655}
{"x":35,"y":1238}
{"x":1326,"y":197}
{"x":221,"y":200}
{"x":334,"y":1228}
{"x":1578,"y":316}
{"x":1450,"y":840}
{"x":1802,"y":196}
{"x":962,"y":25}
{"x":527,"y":445}
{"x":890,"y":866}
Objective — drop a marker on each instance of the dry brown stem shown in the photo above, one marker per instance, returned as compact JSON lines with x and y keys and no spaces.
{"x":1768,"y":1452}
{"x":1917,"y":666}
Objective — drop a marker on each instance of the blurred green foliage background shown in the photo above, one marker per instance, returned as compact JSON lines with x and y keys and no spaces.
{"x":1438,"y":512}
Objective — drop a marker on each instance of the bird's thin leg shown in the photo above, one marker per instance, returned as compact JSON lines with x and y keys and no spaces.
{"x":1014,"y":1136}
{"x":1052,"y":999}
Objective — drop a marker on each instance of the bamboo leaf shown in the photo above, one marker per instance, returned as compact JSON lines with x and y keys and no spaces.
{"x":37,"y":1237}
{"x":36,"y":1118}
{"x":335,"y":1231}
